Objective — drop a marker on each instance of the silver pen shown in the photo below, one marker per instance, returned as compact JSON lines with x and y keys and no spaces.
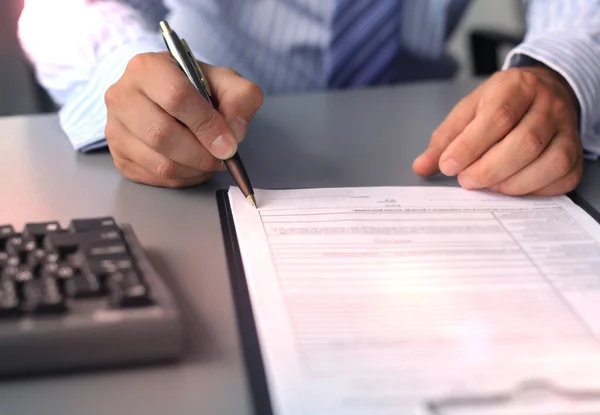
{"x":181,"y":52}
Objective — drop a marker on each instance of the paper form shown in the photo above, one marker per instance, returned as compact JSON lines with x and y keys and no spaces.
{"x":376,"y":300}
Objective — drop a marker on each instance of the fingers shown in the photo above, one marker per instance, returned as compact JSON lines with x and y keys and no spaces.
{"x":160,"y":132}
{"x":239,"y":99}
{"x":176,"y":95}
{"x":556,"y":163}
{"x":149,"y":166}
{"x":503,"y":103}
{"x":137,"y":174}
{"x":460,"y":116}
{"x":163,"y":132}
{"x":564,"y":184}
{"x":520,"y":147}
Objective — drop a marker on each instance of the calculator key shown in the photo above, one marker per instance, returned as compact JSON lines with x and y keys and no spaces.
{"x":64,"y":272}
{"x":51,"y":258}
{"x":65,"y":244}
{"x":13,"y":261}
{"x":101,"y":253}
{"x":35,"y":259}
{"x":3,"y":259}
{"x":84,"y":225}
{"x":43,"y":296}
{"x":9,"y":273}
{"x":84,"y":286}
{"x":23,"y":275}
{"x":126,"y":289}
{"x":62,"y":244}
{"x":105,"y":266}
{"x":9,"y":300}
{"x":38,"y":230}
{"x":20,"y":246}
{"x":6,"y":231}
{"x":49,"y":270}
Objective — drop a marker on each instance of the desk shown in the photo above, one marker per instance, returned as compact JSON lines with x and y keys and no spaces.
{"x":345,"y":139}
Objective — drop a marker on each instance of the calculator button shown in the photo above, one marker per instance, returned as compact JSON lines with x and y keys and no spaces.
{"x":20,"y":246}
{"x":39,"y":230}
{"x":83,"y":286}
{"x":65,"y":244}
{"x":108,"y":265}
{"x":35,"y":259}
{"x":43,"y":296}
{"x":3,"y":259}
{"x":126,"y":289}
{"x":9,"y":300}
{"x":84,"y":225}
{"x":13,"y":261}
{"x":6,"y":231}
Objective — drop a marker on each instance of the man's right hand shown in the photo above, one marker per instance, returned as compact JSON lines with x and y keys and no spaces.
{"x":162,"y":132}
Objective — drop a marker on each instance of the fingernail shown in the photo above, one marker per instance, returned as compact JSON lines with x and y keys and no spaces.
{"x":223,"y":147}
{"x":466,"y":182}
{"x":450,"y":167}
{"x":238,"y":126}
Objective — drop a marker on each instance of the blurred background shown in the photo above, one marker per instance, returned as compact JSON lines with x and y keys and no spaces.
{"x":490,"y":29}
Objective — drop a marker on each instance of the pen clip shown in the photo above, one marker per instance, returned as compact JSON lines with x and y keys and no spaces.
{"x":197,"y":68}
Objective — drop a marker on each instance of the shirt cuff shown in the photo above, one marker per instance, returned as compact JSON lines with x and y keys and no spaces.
{"x":83,"y":117}
{"x":577,"y":59}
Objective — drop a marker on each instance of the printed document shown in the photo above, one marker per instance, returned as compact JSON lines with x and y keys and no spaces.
{"x":390,"y":300}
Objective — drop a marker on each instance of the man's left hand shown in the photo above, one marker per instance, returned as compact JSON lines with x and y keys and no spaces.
{"x":516,"y":134}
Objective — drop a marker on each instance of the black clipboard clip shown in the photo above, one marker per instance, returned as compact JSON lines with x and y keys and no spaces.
{"x":535,"y":397}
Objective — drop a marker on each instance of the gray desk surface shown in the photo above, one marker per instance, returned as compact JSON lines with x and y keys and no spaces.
{"x":316,"y":140}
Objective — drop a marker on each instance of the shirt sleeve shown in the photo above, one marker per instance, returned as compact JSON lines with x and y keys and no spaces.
{"x":79,"y":48}
{"x":563,"y":35}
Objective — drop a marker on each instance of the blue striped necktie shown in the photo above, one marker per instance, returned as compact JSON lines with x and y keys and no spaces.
{"x":365,"y":39}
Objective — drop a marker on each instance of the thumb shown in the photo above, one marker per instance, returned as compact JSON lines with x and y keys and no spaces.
{"x":239,"y":99}
{"x":427,"y":164}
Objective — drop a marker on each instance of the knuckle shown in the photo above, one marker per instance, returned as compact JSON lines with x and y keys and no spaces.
{"x":166,"y":169}
{"x":484,"y":174}
{"x":111,"y":96}
{"x":111,"y":133}
{"x":138,"y":62}
{"x":563,"y":161}
{"x":205,"y":162}
{"x":176,"y":95}
{"x":528,"y":80}
{"x":511,"y":189}
{"x":439,"y":136}
{"x":159,"y":135}
{"x":573,"y":180}
{"x":175,"y":183}
{"x":560,"y":108}
{"x":467,"y":148}
{"x":532,"y":143}
{"x":205,"y":122}
{"x":255,"y":92}
{"x":121,"y":164}
{"x":503,"y":117}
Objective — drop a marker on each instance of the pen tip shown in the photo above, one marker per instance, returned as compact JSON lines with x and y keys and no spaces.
{"x":252,"y":200}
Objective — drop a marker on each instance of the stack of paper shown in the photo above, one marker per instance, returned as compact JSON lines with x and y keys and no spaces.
{"x":386,"y":300}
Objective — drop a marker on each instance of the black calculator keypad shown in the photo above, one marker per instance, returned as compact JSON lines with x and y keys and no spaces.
{"x":46,"y":269}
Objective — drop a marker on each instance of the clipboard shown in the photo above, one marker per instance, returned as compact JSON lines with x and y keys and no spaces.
{"x":585,"y":402}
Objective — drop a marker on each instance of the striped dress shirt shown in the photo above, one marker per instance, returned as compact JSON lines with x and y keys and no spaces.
{"x":81,"y":47}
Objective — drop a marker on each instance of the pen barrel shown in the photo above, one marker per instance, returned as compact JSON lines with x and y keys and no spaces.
{"x":237,"y":170}
{"x":184,"y":60}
